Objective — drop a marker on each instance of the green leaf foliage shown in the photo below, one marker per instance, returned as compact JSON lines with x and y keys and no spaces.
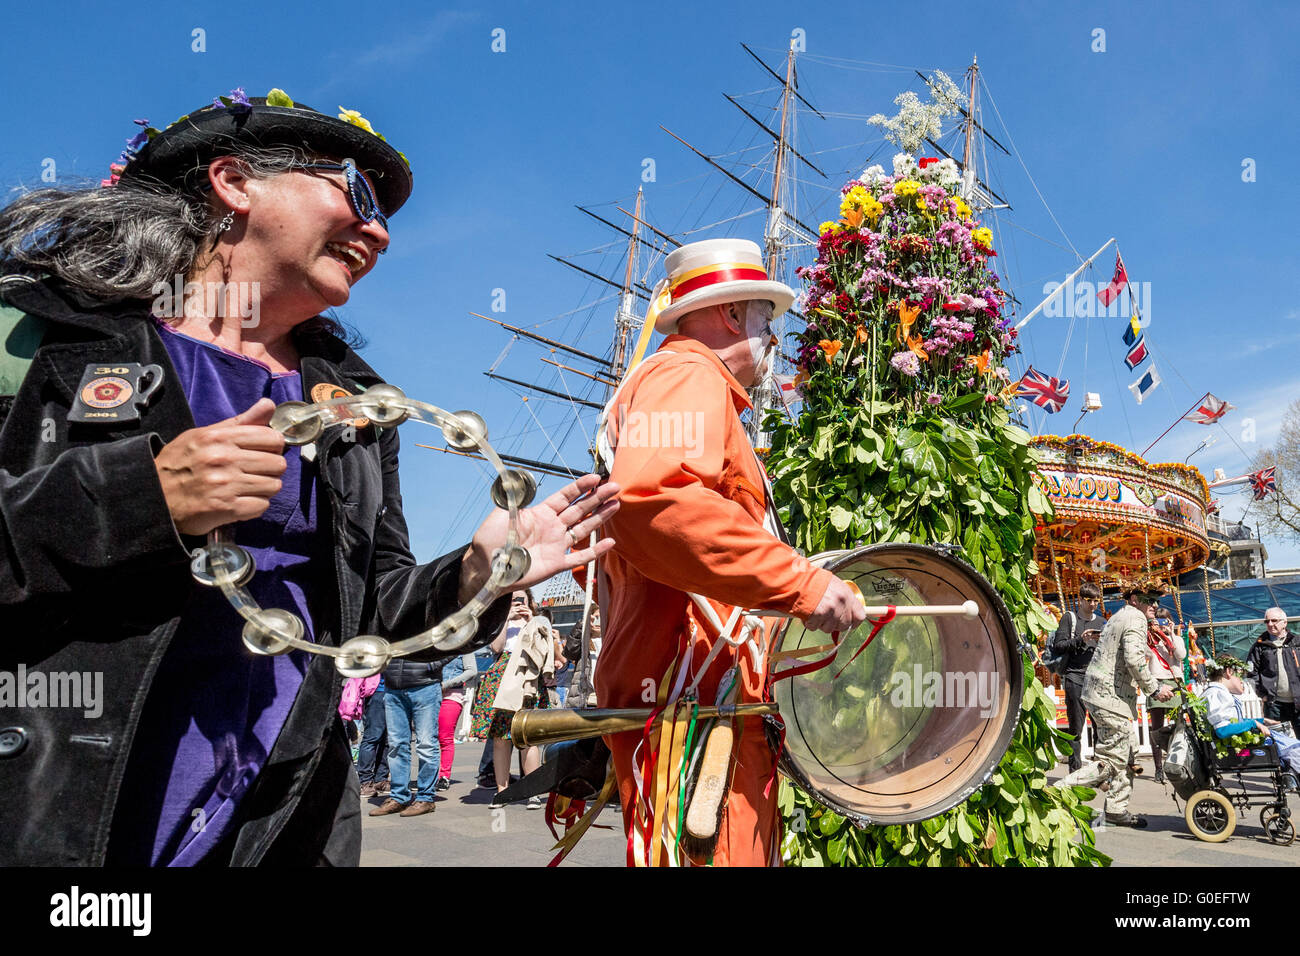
{"x":857,"y":468}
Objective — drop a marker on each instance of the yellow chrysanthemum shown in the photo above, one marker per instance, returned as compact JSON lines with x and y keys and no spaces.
{"x":906,"y":187}
{"x":356,"y":119}
{"x":855,"y":198}
{"x":826,"y":227}
{"x":983,"y":236}
{"x":963,"y":210}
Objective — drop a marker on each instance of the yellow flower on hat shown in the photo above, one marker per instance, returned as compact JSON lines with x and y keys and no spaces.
{"x":982,"y":236}
{"x":963,"y":210}
{"x":826,"y":227}
{"x":356,"y":119}
{"x":906,"y":187}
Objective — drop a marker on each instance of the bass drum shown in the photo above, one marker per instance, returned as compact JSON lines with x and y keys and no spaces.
{"x":919,"y":720}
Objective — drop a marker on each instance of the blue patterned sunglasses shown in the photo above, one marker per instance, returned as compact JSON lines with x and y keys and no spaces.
{"x":359,"y":192}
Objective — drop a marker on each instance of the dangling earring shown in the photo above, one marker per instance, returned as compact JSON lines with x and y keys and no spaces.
{"x":222,"y":227}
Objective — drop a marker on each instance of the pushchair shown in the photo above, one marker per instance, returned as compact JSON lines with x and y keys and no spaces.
{"x":1218,"y":788}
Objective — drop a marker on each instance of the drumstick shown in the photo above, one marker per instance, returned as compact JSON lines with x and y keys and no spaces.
{"x":965,"y":609}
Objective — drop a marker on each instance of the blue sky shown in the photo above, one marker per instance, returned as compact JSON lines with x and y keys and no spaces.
{"x":1144,"y":141}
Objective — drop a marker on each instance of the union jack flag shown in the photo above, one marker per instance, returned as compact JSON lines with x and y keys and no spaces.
{"x":1048,"y":393}
{"x":1262,"y":482}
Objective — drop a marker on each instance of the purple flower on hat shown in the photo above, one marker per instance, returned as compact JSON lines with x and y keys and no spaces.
{"x":236,"y":102}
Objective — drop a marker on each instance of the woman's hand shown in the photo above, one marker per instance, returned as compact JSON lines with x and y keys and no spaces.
{"x":548,"y":530}
{"x":222,"y":473}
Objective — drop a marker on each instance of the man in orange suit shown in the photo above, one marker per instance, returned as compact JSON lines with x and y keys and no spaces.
{"x":696,"y":518}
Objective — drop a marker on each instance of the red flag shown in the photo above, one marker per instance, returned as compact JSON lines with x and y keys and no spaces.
{"x":1117,"y":283}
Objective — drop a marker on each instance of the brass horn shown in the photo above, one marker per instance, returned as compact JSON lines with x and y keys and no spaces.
{"x":532,"y":728}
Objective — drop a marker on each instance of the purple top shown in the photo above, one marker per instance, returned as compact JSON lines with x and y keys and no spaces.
{"x":215,"y":709}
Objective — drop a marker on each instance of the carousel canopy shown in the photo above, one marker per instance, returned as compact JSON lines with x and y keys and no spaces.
{"x":1115,"y":515}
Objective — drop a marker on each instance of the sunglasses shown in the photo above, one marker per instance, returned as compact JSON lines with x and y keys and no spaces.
{"x":362,"y":197}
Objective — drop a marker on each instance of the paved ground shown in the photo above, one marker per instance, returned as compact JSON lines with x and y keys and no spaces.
{"x":1168,"y":842}
{"x":465,"y":831}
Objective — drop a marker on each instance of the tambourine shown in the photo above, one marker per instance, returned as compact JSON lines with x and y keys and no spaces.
{"x":225,"y":565}
{"x":912,"y":724}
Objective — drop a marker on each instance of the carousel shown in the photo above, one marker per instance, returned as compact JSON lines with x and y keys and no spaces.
{"x":1115,"y":515}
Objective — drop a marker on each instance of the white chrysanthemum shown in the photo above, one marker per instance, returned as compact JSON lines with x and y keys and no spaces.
{"x":946,"y":173}
{"x":872,"y":173}
{"x":903,"y":164}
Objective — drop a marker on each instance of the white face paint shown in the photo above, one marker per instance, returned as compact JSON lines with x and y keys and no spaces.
{"x":762,"y":343}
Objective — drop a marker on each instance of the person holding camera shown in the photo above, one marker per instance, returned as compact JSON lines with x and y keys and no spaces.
{"x":1076,"y":639}
{"x":1165,"y":655}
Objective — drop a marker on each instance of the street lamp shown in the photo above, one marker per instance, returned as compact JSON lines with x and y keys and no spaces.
{"x":1091,"y":403}
{"x":1205,"y":444}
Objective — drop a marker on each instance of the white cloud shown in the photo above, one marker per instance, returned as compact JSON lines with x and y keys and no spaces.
{"x":416,"y":41}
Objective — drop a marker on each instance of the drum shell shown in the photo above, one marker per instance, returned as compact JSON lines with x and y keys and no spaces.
{"x":941,"y":759}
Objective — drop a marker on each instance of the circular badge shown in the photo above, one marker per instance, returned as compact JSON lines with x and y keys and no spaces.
{"x":107,"y":392}
{"x":325,"y":392}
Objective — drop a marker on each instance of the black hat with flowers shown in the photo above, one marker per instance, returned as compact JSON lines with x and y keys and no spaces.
{"x":178,"y":153}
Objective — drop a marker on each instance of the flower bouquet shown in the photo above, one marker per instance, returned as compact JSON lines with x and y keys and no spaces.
{"x":902,"y":295}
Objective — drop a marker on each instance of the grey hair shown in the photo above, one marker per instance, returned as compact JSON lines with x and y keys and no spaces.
{"x":118,"y":242}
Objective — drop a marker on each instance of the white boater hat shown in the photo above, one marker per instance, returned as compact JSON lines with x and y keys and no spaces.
{"x":714,"y":272}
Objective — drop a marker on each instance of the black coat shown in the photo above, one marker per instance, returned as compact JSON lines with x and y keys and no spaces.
{"x":1078,"y":651}
{"x":93,"y":578}
{"x":1262,"y":661}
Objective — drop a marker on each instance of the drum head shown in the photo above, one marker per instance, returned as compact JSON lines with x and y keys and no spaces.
{"x":924,"y":714}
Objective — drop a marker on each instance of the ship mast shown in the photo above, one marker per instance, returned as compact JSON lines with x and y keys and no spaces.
{"x":625,"y":323}
{"x":967,"y":157}
{"x":776,"y":245}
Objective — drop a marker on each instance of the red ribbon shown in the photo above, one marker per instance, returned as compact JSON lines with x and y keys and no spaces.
{"x":735,"y":274}
{"x":875,"y":629}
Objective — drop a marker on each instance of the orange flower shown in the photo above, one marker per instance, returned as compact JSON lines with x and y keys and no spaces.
{"x":862,"y":335}
{"x":831,"y":348}
{"x":914,"y":343}
{"x":982,"y":363}
{"x":801,"y":379}
{"x":906,"y":319}
{"x":853,"y":218}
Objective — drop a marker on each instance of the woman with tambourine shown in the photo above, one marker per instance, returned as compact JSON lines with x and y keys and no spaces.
{"x":150,"y":326}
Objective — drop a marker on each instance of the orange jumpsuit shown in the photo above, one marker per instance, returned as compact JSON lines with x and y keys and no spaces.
{"x":693,"y":505}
